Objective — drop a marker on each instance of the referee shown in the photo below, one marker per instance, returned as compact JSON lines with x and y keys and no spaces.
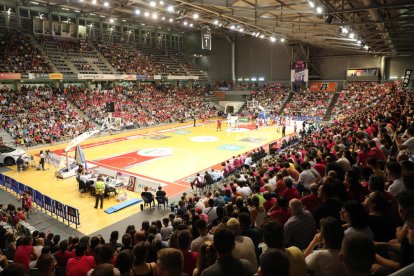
{"x":99,"y":191}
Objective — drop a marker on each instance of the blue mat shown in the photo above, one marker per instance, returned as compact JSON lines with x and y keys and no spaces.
{"x":123,"y":205}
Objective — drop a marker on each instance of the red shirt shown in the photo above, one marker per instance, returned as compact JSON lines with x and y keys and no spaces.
{"x":22,"y":255}
{"x":291,"y":193}
{"x":190,"y":261}
{"x":320,"y":168}
{"x":63,"y":257}
{"x":269,"y":203}
{"x":281,"y":215}
{"x":80,"y":266}
{"x":311,"y":202}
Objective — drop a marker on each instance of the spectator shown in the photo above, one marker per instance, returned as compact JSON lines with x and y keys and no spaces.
{"x":25,"y":253}
{"x":201,"y":226}
{"x":124,"y":262}
{"x":227,"y":264}
{"x":274,"y":261}
{"x":312,"y":201}
{"x":190,"y":258}
{"x":170,"y":262}
{"x":326,"y":260}
{"x":280,"y":210}
{"x":46,"y":265}
{"x":396,"y":184}
{"x":300,"y":227}
{"x":80,"y":264}
{"x":356,"y":218}
{"x":244,"y":247}
{"x":141,"y":267}
{"x":357,"y":254}
{"x":206,"y":258}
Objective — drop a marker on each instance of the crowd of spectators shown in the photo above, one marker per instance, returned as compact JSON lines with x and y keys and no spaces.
{"x":17,"y":55}
{"x":313,"y":104}
{"x":270,"y":96}
{"x":144,"y":106}
{"x":357,"y":95}
{"x":39,"y":115}
{"x":126,"y":60}
{"x":335,"y":202}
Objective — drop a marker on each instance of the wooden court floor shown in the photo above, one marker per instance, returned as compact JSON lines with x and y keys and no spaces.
{"x":165,"y":154}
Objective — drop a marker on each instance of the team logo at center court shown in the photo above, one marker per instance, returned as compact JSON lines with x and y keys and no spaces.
{"x":203,"y":139}
{"x":155,"y":152}
{"x":182,"y":132}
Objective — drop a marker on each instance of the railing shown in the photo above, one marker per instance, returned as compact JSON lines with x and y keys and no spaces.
{"x":44,"y":203}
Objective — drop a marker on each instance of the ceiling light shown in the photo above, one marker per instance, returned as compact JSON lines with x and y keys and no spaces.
{"x":319,"y":9}
{"x":191,"y":25}
{"x":137,"y":12}
{"x":185,"y":23}
{"x":196,"y":16}
{"x":216,"y":22}
{"x":146,"y":14}
{"x":93,"y":2}
{"x":351,"y":35}
{"x":232,"y":27}
{"x":344,"y":30}
{"x":282,"y":40}
{"x":154,"y":16}
{"x":311,"y":4}
{"x":171,"y":20}
{"x":153,"y":3}
{"x":163,"y":18}
{"x":81,"y":1}
{"x":366,"y":47}
{"x":261,"y":36}
{"x":241,"y":30}
{"x":170,"y":8}
{"x":272,"y":39}
{"x":106,"y":4}
{"x":359,"y":42}
{"x":161,"y":3}
{"x":75,"y":11}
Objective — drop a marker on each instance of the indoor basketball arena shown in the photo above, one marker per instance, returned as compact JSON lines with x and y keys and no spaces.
{"x":206,"y":137}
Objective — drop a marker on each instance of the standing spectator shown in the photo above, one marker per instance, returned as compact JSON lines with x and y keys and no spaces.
{"x":300,"y":227}
{"x":227,"y":264}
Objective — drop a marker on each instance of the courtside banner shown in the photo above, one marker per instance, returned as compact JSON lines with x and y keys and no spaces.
{"x":10,"y":76}
{"x":98,"y":77}
{"x":129,"y":77}
{"x":56,"y":76}
{"x":182,"y":77}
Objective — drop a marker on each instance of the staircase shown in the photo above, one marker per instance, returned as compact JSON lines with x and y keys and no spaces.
{"x":286,"y":101}
{"x":6,"y":138}
{"x":328,"y":114}
{"x":102,"y":59}
{"x":36,"y":45}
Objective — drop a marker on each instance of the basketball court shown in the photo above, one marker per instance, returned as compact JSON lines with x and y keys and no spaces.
{"x":167,"y":155}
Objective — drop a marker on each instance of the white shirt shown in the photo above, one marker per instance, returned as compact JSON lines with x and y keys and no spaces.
{"x":396,"y":187}
{"x":325,"y":262}
{"x":306,"y":178}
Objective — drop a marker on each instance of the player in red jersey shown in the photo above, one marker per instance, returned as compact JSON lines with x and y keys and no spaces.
{"x":218,"y":124}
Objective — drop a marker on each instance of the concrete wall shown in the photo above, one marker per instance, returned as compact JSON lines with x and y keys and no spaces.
{"x":261,"y":58}
{"x":217,"y":62}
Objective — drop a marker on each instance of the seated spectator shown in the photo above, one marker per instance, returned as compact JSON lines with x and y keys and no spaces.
{"x":184,"y":239}
{"x":25,"y":253}
{"x":170,"y":262}
{"x":206,"y":258}
{"x":274,"y":261}
{"x":330,"y":207}
{"x":148,"y":195}
{"x":124,"y":262}
{"x":395,"y":181}
{"x":161,"y":194}
{"x":273,"y":237}
{"x":312,"y":201}
{"x":80,"y":264}
{"x":201,"y":226}
{"x":357,"y":254}
{"x":290,"y":192}
{"x":244,"y":247}
{"x":325,"y":261}
{"x":46,"y":265}
{"x":356,"y":218}
{"x":300,"y":227}
{"x":227,"y":264}
{"x":141,"y":267}
{"x":280,"y":211}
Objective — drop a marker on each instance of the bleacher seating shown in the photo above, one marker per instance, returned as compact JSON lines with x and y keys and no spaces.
{"x":311,"y":104}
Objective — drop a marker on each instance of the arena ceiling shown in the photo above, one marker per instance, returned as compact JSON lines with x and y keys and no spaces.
{"x":383,"y":27}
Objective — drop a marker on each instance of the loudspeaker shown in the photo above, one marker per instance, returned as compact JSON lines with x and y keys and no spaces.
{"x":110,"y":107}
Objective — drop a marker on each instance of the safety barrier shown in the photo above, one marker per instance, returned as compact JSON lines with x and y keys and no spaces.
{"x":44,"y":203}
